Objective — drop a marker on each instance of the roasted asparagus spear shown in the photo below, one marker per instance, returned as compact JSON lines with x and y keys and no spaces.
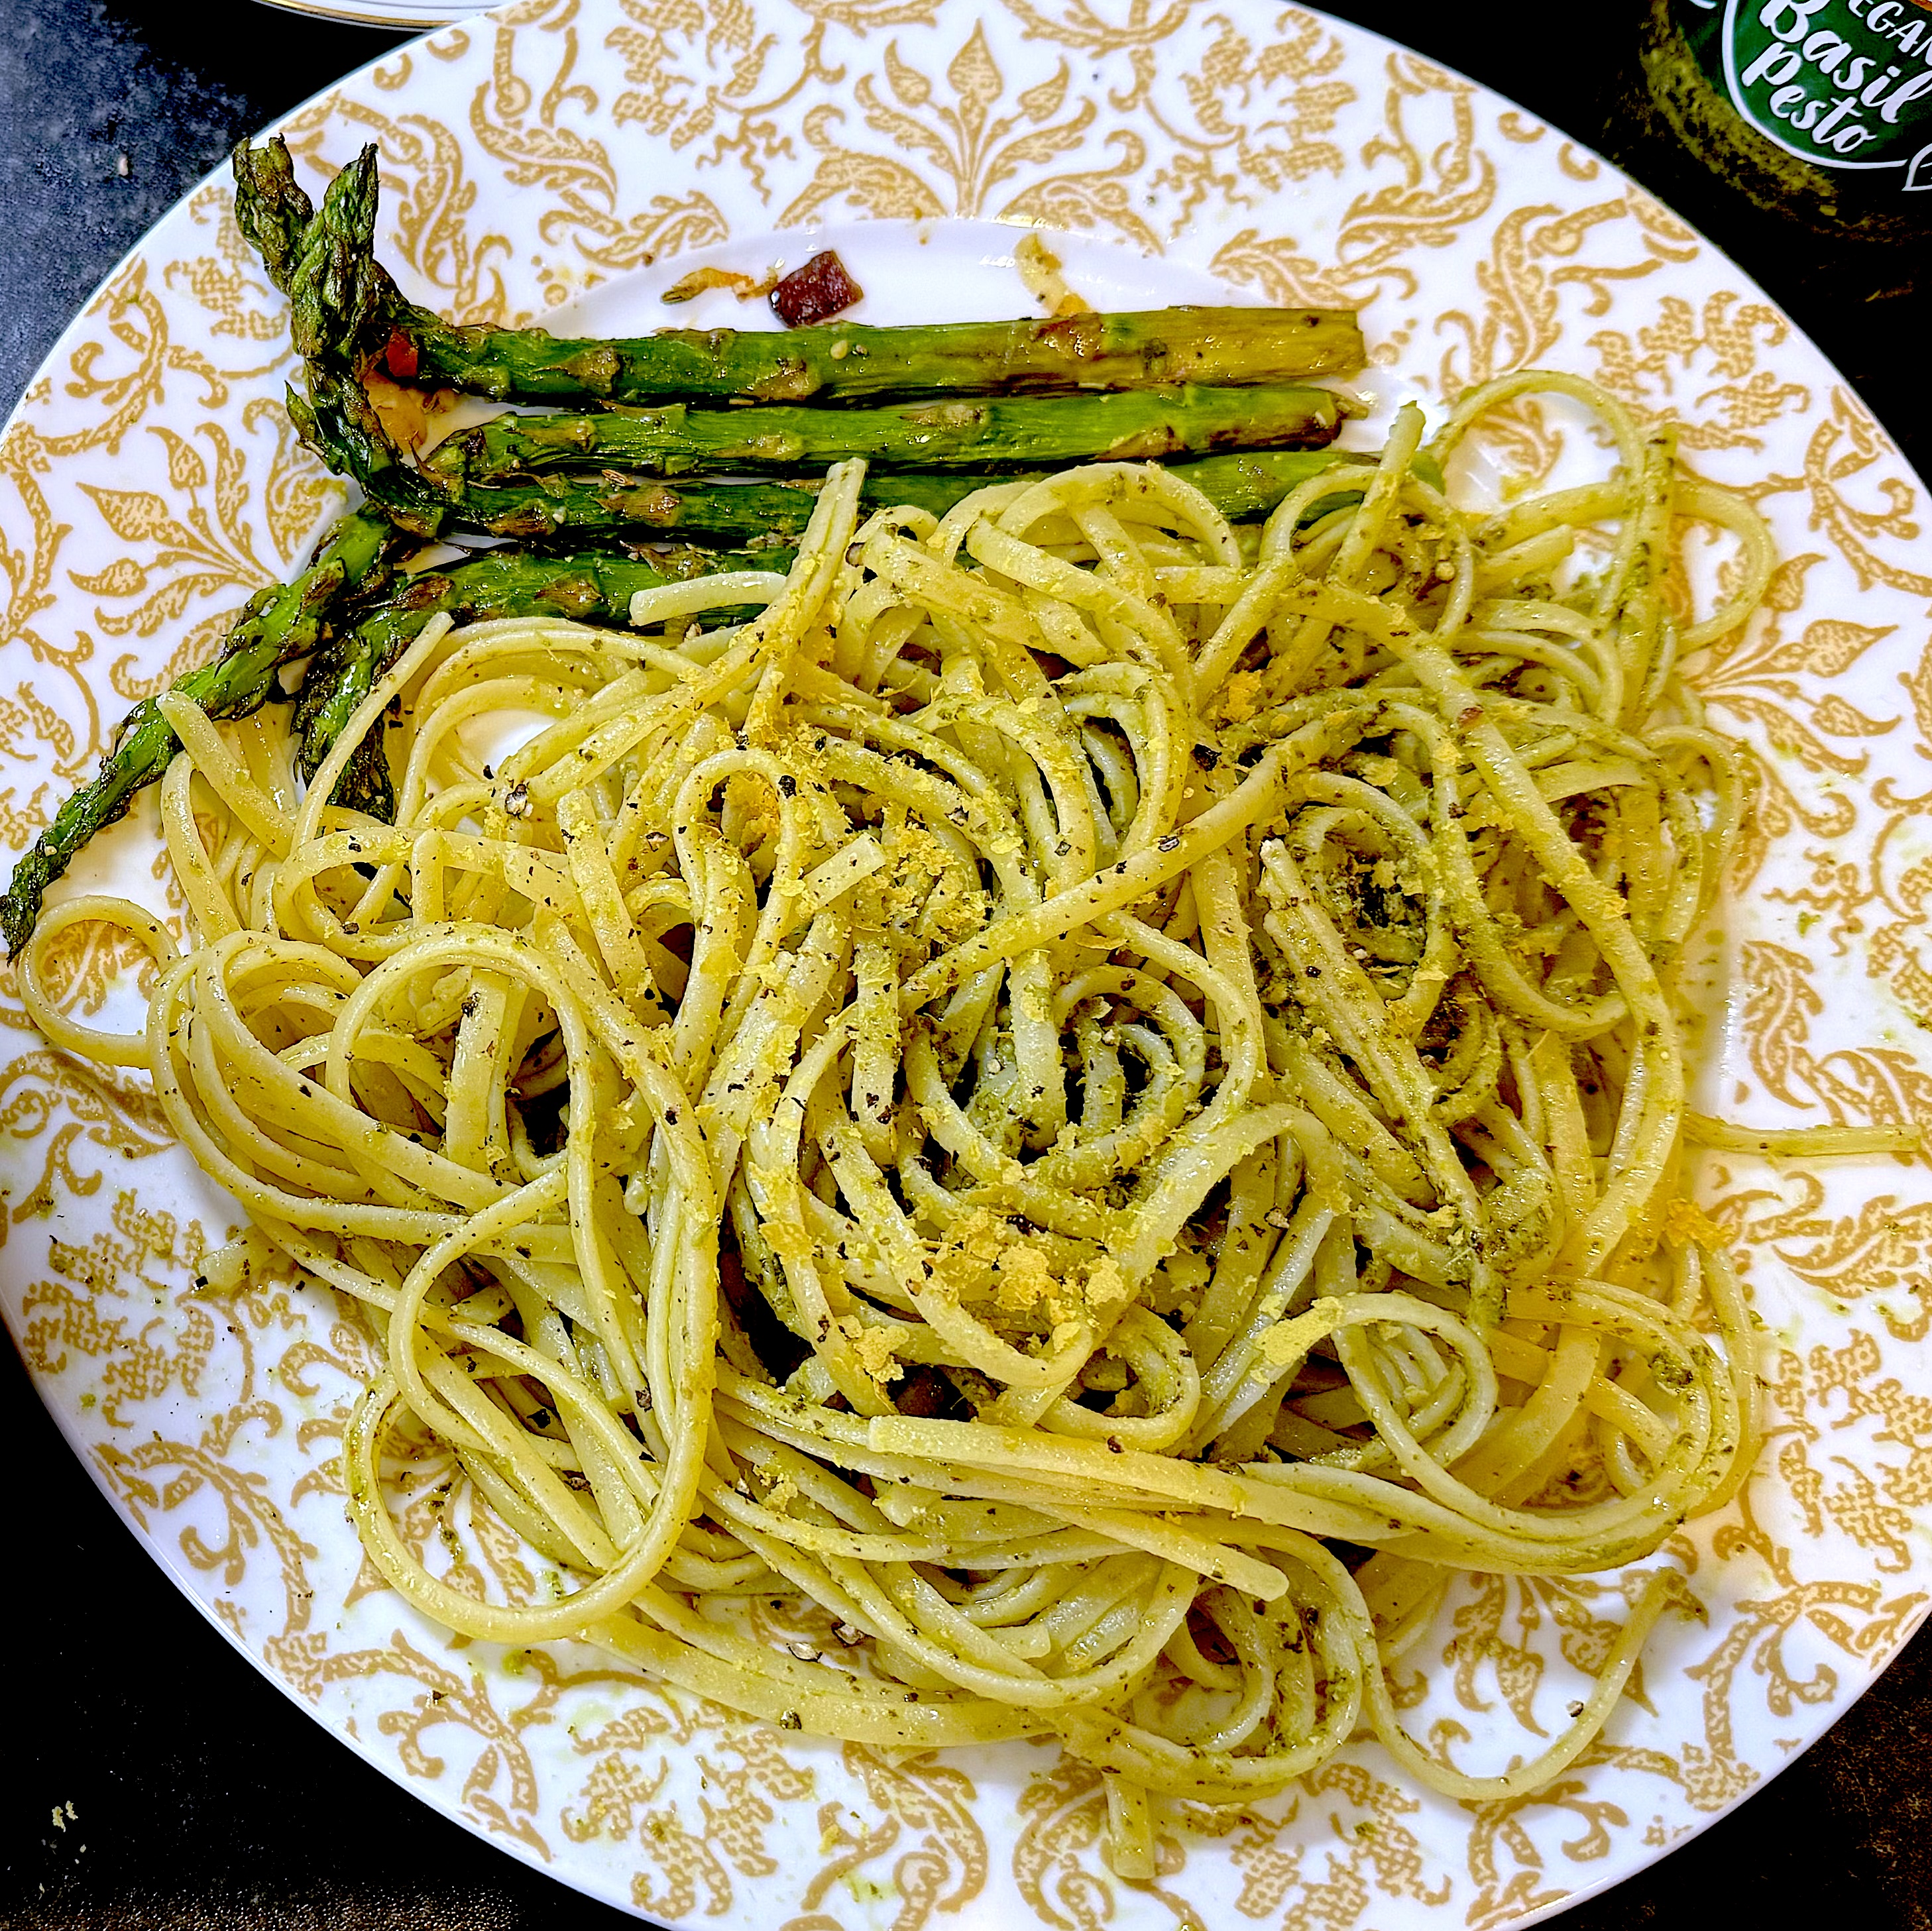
{"x":985,"y":434}
{"x":325,"y":265}
{"x":278,"y":626}
{"x":595,"y":587}
{"x":838,"y":360}
{"x":1241,"y":486}
{"x":306,"y":619}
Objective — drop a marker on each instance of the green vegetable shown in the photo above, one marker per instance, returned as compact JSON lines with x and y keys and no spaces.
{"x":981,"y":433}
{"x":340,"y":299}
{"x":1241,"y":485}
{"x":353,"y":311}
{"x":347,"y":315}
{"x":594,"y":588}
{"x":840,"y":361}
{"x":279,"y":626}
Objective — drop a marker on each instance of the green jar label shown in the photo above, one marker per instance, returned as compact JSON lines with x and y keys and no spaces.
{"x":1843,"y":84}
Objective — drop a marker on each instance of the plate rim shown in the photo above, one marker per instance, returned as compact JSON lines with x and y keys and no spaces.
{"x":426,"y":25}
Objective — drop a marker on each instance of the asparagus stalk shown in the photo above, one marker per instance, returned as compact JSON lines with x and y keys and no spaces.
{"x":351,"y":305}
{"x":337,"y":681}
{"x":841,"y":360}
{"x":288,"y":622}
{"x":341,"y":299}
{"x":278,"y":625}
{"x":983,"y":434}
{"x":1240,"y":487}
{"x":595,"y":587}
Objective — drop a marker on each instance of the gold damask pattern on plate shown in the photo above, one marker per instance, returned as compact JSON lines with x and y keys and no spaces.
{"x":535,"y":156}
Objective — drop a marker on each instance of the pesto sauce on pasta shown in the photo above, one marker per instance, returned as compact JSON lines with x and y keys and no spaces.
{"x":1083,"y":1065}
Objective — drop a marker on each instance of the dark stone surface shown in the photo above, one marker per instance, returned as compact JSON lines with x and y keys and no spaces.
{"x":204,"y":1800}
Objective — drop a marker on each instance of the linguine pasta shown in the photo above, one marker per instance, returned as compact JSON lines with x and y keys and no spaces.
{"x":1095,"y":1094}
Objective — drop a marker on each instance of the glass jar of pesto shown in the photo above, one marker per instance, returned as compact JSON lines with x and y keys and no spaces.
{"x":1818,"y":109}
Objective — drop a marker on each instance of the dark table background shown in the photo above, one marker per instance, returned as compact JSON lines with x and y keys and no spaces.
{"x":203,"y":1799}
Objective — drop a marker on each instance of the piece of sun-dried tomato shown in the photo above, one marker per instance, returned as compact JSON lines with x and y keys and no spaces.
{"x":820,"y":289}
{"x":399,"y":355}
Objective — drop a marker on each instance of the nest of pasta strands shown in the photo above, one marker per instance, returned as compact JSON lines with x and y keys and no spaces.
{"x":1083,"y":1066}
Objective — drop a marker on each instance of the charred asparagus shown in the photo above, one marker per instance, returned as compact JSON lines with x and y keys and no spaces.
{"x":983,"y":434}
{"x":277,"y":626}
{"x":350,"y":309}
{"x":1240,"y":487}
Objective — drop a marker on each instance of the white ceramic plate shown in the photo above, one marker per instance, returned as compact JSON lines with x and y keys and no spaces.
{"x":589,"y":151}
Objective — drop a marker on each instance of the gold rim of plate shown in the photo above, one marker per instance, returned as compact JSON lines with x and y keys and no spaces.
{"x":545,"y":155}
